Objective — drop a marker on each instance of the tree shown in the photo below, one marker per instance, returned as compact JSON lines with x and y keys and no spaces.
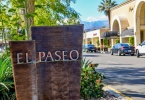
{"x":105,"y":7}
{"x":46,"y":12}
{"x":16,"y":16}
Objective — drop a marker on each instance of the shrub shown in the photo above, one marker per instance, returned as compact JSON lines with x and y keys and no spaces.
{"x":117,"y":40}
{"x":131,"y":41}
{"x":7,"y":91}
{"x":91,"y":81}
{"x":105,"y":41}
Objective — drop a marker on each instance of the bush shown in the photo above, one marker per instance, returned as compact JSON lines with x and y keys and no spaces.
{"x":91,"y":81}
{"x":117,"y":40}
{"x":105,"y":41}
{"x":7,"y":91}
{"x":131,"y":41}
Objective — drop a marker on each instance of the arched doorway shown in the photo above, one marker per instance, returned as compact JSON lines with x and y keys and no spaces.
{"x":139,"y":21}
{"x":115,"y":26}
{"x":119,"y":23}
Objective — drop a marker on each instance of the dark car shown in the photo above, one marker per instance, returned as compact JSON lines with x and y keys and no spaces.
{"x":122,"y":48}
{"x":89,"y":48}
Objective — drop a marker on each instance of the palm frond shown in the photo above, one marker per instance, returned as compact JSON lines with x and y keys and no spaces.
{"x":106,"y":5}
{"x":3,"y":85}
{"x":6,"y":79}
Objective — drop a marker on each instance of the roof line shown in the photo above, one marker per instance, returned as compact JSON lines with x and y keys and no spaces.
{"x":122,"y":4}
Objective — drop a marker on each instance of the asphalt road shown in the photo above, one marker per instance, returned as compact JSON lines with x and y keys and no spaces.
{"x":124,"y":73}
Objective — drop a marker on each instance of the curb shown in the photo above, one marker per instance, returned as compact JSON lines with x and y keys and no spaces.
{"x":116,"y":93}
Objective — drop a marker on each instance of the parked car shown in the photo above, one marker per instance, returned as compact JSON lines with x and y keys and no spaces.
{"x":123,"y":48}
{"x":140,"y":49}
{"x":89,"y":48}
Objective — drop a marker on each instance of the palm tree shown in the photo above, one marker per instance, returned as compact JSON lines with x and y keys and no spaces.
{"x":105,"y":7}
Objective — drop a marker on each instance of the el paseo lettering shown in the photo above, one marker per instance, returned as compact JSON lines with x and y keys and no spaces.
{"x":48,"y":56}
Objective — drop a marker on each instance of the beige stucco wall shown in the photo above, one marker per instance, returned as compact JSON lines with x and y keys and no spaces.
{"x":139,"y":20}
{"x":89,"y":37}
{"x":142,"y":15}
{"x":103,"y":30}
{"x":95,"y":41}
{"x":113,"y":42}
{"x":126,"y":10}
{"x":125,"y":40}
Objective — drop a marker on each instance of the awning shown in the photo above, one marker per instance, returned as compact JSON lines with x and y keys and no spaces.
{"x":127,"y":32}
{"x":110,"y":34}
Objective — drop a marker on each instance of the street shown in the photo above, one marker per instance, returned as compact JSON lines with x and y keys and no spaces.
{"x":123,"y":73}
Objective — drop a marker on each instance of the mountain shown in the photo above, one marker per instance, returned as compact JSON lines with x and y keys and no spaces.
{"x":95,"y":24}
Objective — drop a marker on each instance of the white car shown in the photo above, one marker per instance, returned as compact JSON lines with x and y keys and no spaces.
{"x":140,"y":49}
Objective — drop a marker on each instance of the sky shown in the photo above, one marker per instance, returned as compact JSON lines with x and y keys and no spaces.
{"x":88,"y":9}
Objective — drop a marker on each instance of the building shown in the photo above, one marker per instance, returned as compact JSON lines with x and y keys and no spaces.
{"x":94,"y":37}
{"x":128,"y":19}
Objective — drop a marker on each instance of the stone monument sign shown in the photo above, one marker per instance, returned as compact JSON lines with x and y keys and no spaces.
{"x":49,"y":66}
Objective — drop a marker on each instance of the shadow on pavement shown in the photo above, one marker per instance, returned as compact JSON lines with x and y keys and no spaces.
{"x":134,"y":94}
{"x":124,"y":75}
{"x":128,"y":76}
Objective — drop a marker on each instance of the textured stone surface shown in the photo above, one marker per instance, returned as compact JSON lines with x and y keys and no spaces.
{"x":59,"y":80}
{"x":24,"y":73}
{"x":47,"y":79}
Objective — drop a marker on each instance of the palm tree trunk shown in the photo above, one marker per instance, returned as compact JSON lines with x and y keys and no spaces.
{"x":109,"y":18}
